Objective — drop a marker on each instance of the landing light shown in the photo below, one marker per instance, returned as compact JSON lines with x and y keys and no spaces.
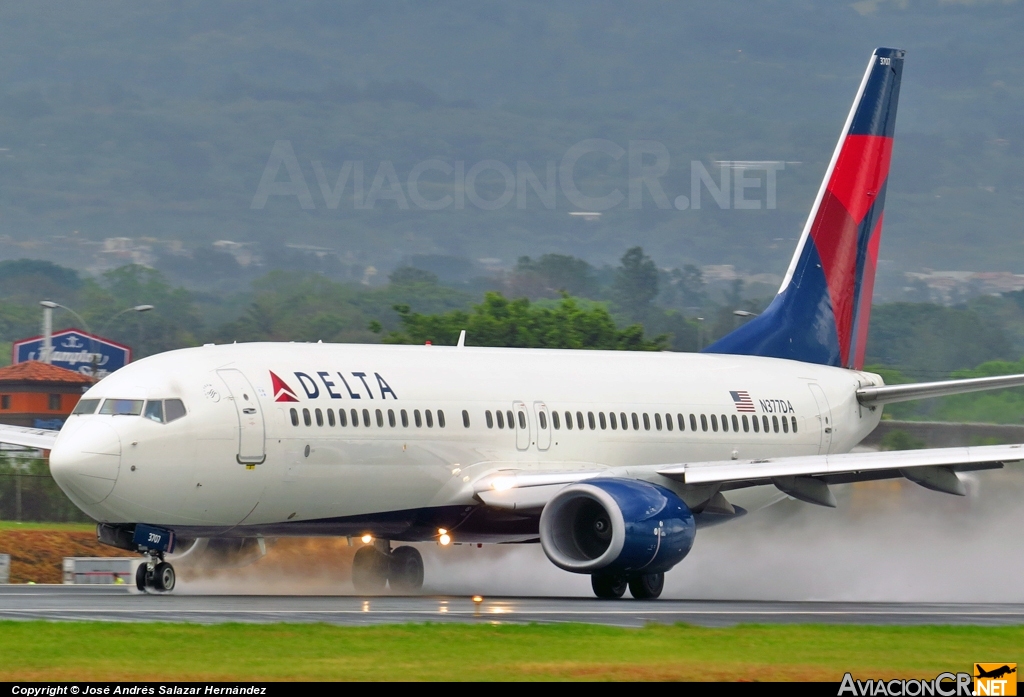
{"x":445,"y":539}
{"x":367,"y":539}
{"x":503,"y":483}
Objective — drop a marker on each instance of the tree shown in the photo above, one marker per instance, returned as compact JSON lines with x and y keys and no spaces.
{"x":499,"y":321}
{"x":551,"y":275}
{"x":636,"y":284}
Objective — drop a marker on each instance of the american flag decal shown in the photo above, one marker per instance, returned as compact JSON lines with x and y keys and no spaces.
{"x":743,"y":401}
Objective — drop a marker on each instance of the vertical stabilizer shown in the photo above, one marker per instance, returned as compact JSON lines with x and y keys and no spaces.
{"x":821,"y":312}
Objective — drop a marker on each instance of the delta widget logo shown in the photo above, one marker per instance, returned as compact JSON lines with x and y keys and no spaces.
{"x":282,"y":393}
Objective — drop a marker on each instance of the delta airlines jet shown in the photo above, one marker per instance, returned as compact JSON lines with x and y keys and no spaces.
{"x":610,"y":460}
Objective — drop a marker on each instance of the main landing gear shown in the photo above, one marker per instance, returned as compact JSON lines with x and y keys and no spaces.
{"x":155,"y":575}
{"x":641,"y":586}
{"x":377,"y":565}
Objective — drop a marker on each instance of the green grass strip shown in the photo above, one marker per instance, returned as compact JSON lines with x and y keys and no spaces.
{"x":485,"y":651}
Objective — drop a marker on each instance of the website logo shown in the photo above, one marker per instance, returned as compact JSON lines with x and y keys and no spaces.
{"x":995,"y":679}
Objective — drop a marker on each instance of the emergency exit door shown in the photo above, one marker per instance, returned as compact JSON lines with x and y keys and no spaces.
{"x":250,"y":417}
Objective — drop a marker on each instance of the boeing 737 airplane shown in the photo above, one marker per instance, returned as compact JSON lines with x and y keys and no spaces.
{"x":610,"y":460}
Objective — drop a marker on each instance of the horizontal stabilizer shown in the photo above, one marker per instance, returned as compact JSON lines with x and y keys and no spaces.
{"x":888,"y":394}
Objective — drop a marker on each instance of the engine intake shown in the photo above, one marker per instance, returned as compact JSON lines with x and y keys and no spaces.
{"x":616,"y":525}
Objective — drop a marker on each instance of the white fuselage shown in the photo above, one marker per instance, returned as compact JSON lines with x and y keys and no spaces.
{"x":236,"y":461}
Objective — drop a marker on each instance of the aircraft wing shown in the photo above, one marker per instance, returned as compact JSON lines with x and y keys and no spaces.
{"x":805,"y":477}
{"x":28,"y":437}
{"x":890,"y":394}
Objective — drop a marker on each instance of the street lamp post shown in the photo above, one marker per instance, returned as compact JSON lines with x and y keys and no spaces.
{"x":49,"y":306}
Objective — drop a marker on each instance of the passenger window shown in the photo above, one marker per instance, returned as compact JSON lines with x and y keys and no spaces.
{"x":764,"y":422}
{"x":647,"y":422}
{"x":725,"y":423}
{"x":419,"y":419}
{"x":489,"y":419}
{"x":392,"y":422}
{"x":693,"y":423}
{"x":775,"y":423}
{"x":555,"y":421}
{"x":703,"y":423}
{"x":657,"y":421}
{"x":121,"y":407}
{"x":440,"y":418}
{"x":522,"y":420}
{"x":295,"y":417}
{"x":568,"y":421}
{"x":306,"y":418}
{"x":380,"y":418}
{"x":366,"y":418}
{"x":465,"y":418}
{"x":154,"y":411}
{"x":601,"y":418}
{"x":681,"y":422}
{"x":714,"y":423}
{"x":543,"y":419}
{"x":405,"y":418}
{"x":501,"y":419}
{"x":624,"y":421}
{"x":355,"y":418}
{"x":668,"y":421}
{"x":612,"y":420}
{"x":430,"y":418}
{"x":590,"y":421}
{"x":755,"y":422}
{"x":746,"y":424}
{"x":319,"y":417}
{"x":84,"y":406}
{"x":579,"y":419}
{"x":735,"y":423}
{"x":785,"y":425}
{"x":636,"y":422}
{"x":330,"y":417}
{"x":342,"y":421}
{"x":794,"y":423}
{"x":510,"y":419}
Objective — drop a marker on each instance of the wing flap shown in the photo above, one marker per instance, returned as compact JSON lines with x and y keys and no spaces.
{"x":823,"y":465}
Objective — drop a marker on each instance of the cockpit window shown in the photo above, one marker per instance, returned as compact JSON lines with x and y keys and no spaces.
{"x":86,"y":406}
{"x":154,"y":410}
{"x":122,"y":407}
{"x":173,"y":409}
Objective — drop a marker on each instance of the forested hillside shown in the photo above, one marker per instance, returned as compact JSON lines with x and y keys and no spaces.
{"x":155,"y":121}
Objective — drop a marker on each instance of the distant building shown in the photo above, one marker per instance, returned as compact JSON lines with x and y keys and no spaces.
{"x":39,"y":395}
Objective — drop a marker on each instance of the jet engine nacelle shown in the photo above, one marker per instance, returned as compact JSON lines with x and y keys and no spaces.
{"x":616,"y":526}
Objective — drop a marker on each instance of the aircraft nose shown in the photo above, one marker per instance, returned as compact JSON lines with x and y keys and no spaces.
{"x":85,"y":462}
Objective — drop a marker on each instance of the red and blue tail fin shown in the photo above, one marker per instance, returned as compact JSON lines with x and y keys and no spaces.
{"x":821,"y":312}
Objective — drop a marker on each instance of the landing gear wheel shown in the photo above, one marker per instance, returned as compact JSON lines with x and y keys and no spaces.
{"x":140,"y":577}
{"x":608,"y":586}
{"x":646,"y":586}
{"x":163,"y":577}
{"x":369,"y":570}
{"x":406,"y":573}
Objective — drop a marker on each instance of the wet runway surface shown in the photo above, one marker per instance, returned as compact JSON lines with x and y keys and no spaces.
{"x":121,"y":604}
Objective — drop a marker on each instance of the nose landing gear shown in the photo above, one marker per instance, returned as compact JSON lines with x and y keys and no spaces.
{"x":155,"y":575}
{"x":377,"y":565}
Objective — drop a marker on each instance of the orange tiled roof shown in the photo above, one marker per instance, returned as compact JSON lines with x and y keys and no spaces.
{"x":34,"y":371}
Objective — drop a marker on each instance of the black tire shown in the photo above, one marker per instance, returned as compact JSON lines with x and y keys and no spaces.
{"x":369,"y":570}
{"x":608,"y":586}
{"x":406,"y":573}
{"x":164,"y":577}
{"x":140,"y":576}
{"x":646,"y":586}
